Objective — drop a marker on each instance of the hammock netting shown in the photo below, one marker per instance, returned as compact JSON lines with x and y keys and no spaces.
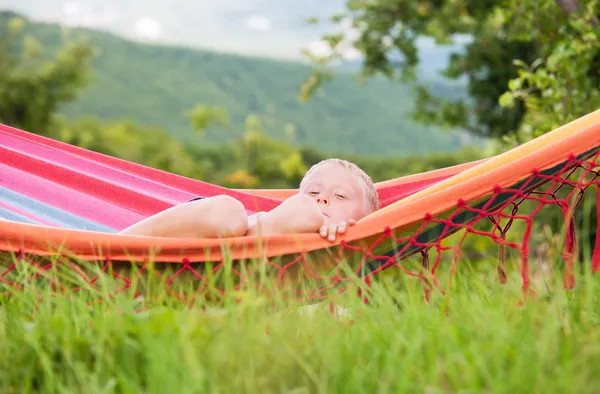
{"x":61,"y":207}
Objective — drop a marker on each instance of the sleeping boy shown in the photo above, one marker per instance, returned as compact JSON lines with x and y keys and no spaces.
{"x":332,"y":196}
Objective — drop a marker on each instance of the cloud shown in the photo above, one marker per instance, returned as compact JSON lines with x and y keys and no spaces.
{"x":80,"y":13}
{"x":351,"y":53}
{"x":147,"y":28}
{"x":346,"y":47}
{"x":321,"y":48}
{"x":71,"y":7}
{"x":258,"y":22}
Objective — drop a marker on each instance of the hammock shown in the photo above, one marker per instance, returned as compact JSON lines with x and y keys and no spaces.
{"x":57,"y":198}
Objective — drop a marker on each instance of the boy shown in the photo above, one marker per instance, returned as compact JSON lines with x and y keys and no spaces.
{"x":333,"y":195}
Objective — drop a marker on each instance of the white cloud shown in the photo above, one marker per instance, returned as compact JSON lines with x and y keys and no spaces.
{"x":71,"y":7}
{"x":351,"y":53}
{"x":147,"y":28}
{"x":346,"y":47}
{"x":79,"y":13}
{"x":258,"y":22}
{"x":321,"y":48}
{"x":346,"y":23}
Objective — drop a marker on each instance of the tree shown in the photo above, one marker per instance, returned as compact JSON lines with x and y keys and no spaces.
{"x":204,"y":116}
{"x":530,"y":66}
{"x":33,"y":84}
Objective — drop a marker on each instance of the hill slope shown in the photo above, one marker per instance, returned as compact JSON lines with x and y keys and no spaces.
{"x":156,"y":85}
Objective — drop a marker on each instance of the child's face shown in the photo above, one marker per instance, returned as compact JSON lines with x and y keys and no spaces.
{"x":337,"y":192}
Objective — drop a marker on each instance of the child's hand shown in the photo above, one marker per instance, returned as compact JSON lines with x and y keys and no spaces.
{"x":330,"y":230}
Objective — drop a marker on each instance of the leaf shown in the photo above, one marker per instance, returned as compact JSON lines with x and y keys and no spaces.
{"x":293,"y":165}
{"x":515,"y":84}
{"x":520,"y":63}
{"x":506,"y":100}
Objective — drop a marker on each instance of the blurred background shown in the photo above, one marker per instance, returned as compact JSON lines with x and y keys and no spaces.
{"x":250,"y":93}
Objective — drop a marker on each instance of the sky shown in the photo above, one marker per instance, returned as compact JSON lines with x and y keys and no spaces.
{"x":274,"y":28}
{"x":267,"y":28}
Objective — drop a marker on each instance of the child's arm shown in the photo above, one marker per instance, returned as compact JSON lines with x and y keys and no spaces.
{"x":212,"y":217}
{"x":297,"y":214}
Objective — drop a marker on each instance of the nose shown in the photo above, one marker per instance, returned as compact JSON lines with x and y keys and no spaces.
{"x":323,"y":200}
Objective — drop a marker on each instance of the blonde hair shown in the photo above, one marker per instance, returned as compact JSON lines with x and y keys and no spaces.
{"x":369,"y":191}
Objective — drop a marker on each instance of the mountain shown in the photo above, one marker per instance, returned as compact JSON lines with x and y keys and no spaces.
{"x":157,"y":84}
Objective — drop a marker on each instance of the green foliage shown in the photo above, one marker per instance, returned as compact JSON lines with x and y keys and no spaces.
{"x":202,"y":116}
{"x":251,"y":161}
{"x":553,"y":42}
{"x":562,"y":84}
{"x":158,"y":85}
{"x":150,"y":146}
{"x":266,"y":163}
{"x":33,"y":86}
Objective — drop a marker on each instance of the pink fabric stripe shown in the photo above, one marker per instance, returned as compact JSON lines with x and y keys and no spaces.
{"x":66,"y":199}
{"x":115,"y":178}
{"x":86,"y":185}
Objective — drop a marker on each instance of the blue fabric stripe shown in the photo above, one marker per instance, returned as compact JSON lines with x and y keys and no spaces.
{"x":50,"y":213}
{"x":8,"y":215}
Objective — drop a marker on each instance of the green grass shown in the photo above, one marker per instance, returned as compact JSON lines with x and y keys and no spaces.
{"x":478,"y":338}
